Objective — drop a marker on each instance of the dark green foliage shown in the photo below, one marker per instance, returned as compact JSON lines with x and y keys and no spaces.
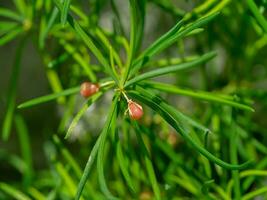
{"x":209,"y":144}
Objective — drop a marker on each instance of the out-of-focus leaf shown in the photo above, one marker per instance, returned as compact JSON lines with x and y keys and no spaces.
{"x":11,"y":96}
{"x":13,"y":192}
{"x":171,"y":69}
{"x":64,"y":12}
{"x":167,"y":39}
{"x":10,"y":14}
{"x":206,"y":96}
{"x":50,"y":97}
{"x":166,"y":111}
{"x":81,"y":112}
{"x":100,"y":156}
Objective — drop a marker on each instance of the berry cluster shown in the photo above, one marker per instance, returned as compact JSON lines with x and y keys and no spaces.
{"x":135,"y":110}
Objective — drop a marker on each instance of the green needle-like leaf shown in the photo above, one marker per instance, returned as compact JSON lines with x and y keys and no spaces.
{"x":64,"y":12}
{"x":148,"y":163}
{"x":36,"y":194}
{"x":158,"y":45}
{"x":94,"y":152}
{"x":259,"y":17}
{"x":45,"y":30}
{"x":253,"y":173}
{"x":234,"y":159}
{"x":7,"y":27}
{"x":87,"y":169}
{"x":183,"y":183}
{"x":11,"y":96}
{"x":168,"y":7}
{"x":167,"y":39}
{"x":73,"y":164}
{"x":171,"y":69}
{"x":10,"y":14}
{"x":206,"y":96}
{"x":100,"y":156}
{"x":10,"y":36}
{"x":123,"y":165}
{"x":255,"y":193}
{"x":167,"y":112}
{"x":186,"y":120}
{"x":81,"y":112}
{"x":89,"y":42}
{"x":59,"y":60}
{"x":137,"y":10}
{"x":67,"y":155}
{"x":105,"y":41}
{"x":24,"y":139}
{"x":13,"y":192}
{"x":50,"y":97}
{"x":65,"y":176}
{"x":80,"y":60}
{"x":21,"y":6}
{"x":205,"y":187}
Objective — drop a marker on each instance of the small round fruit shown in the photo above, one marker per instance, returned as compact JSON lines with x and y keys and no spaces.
{"x":88,"y":89}
{"x":135,"y":110}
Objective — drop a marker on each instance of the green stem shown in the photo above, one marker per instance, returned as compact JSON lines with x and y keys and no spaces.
{"x":87,"y":169}
{"x":259,"y":17}
{"x":234,"y":160}
{"x":12,"y":90}
{"x":25,"y":147}
{"x":132,"y":41}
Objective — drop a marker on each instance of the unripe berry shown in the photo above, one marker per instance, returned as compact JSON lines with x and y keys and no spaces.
{"x":135,"y":110}
{"x":88,"y":89}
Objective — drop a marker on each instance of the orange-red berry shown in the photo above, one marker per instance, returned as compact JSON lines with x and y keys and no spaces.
{"x":135,"y":110}
{"x":88,"y":89}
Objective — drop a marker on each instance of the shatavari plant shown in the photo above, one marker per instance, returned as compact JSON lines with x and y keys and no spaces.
{"x":154,"y":143}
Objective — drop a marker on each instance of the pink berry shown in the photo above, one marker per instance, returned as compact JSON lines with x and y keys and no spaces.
{"x":88,"y":89}
{"x":135,"y":110}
